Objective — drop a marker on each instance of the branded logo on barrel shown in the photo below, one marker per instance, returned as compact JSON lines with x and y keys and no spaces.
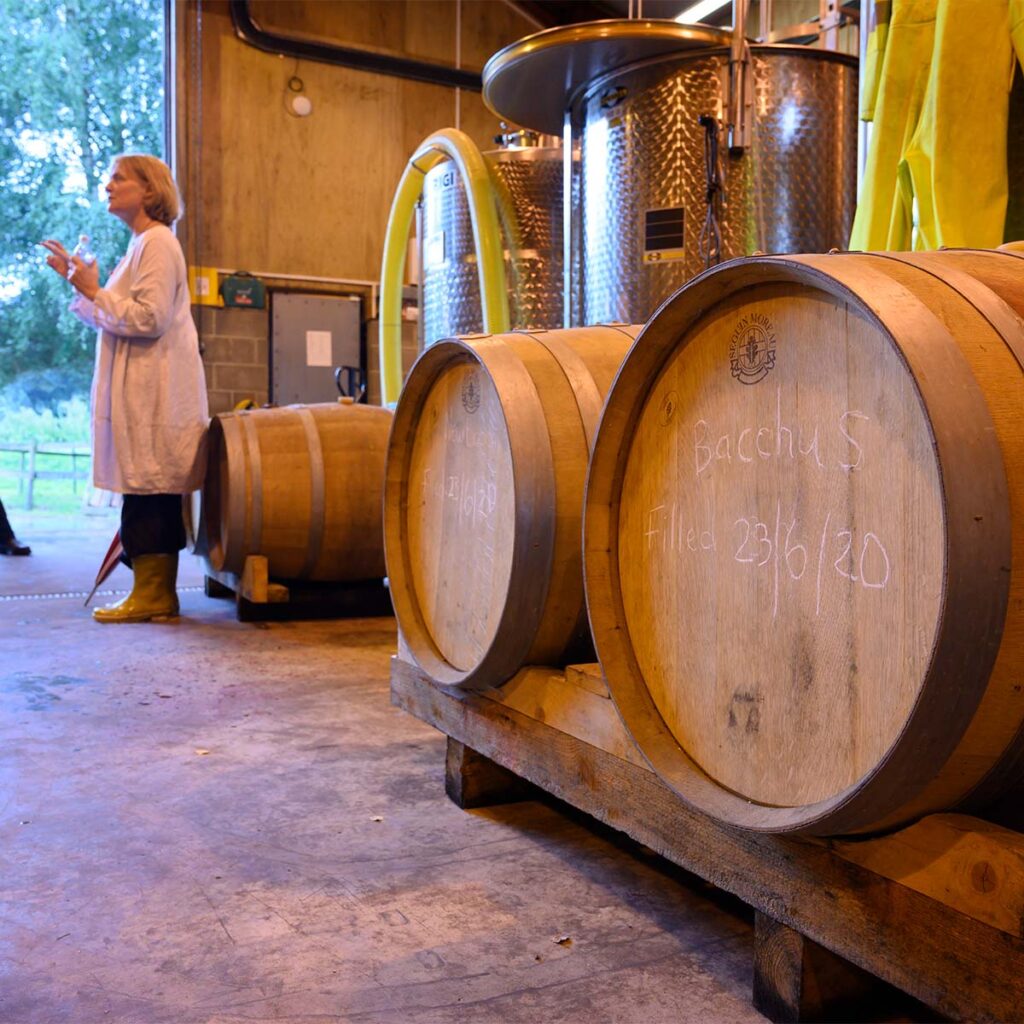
{"x":752,"y":352}
{"x":471,"y":394}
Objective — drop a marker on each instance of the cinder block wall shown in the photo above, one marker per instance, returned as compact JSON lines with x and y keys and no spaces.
{"x":235,"y":354}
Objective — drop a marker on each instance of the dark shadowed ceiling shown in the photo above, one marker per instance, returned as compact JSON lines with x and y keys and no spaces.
{"x":567,"y":12}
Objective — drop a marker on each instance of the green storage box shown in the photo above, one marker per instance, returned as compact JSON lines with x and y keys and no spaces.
{"x":242,"y":289}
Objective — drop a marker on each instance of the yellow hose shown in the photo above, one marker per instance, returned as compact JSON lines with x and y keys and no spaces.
{"x":461,"y":150}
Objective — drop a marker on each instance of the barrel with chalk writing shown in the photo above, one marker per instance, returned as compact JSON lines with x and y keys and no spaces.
{"x":803,"y":538}
{"x":484,"y":499}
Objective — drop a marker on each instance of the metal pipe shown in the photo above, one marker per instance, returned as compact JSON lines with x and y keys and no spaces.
{"x":421,"y":256}
{"x":568,"y":227}
{"x":741,"y":84}
{"x":830,"y":18}
{"x":740,"y":10}
{"x":865,"y":27}
{"x":249,"y":31}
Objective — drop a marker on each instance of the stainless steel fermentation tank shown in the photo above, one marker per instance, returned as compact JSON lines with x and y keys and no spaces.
{"x":646,"y":223}
{"x":644,"y":108}
{"x":527,"y":175}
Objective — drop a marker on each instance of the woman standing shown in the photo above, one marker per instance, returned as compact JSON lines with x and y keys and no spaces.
{"x":149,"y":409}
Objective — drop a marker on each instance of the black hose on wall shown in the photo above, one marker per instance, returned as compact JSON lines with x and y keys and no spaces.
{"x":249,"y":31}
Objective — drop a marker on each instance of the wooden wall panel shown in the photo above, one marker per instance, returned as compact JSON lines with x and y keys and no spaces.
{"x":268,"y":191}
{"x":425,"y":29}
{"x":344,"y":22}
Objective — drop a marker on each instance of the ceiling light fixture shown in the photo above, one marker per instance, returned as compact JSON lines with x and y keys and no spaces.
{"x":698,"y":12}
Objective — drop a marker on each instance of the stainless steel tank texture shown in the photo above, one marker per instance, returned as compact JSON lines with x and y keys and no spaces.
{"x":645,"y":224}
{"x":528,"y":183}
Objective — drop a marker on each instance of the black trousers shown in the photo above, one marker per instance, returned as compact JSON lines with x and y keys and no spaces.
{"x":6,"y":533}
{"x":151,"y":524}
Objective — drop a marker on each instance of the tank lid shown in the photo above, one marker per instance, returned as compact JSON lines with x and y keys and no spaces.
{"x":533,"y":81}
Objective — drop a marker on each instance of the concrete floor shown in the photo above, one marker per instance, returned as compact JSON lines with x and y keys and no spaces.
{"x":217,"y":822}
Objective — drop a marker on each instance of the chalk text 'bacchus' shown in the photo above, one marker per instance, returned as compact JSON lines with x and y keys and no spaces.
{"x":829,"y":446}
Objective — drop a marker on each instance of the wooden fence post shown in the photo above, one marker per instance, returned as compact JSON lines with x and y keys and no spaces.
{"x":31,"y":473}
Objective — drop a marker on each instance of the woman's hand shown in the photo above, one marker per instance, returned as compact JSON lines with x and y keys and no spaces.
{"x":85,"y":277}
{"x":59,"y":259}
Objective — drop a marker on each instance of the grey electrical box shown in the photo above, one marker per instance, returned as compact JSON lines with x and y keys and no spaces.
{"x":311,"y":335}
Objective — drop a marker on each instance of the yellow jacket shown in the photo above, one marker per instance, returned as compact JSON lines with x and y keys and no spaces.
{"x":936,"y":165}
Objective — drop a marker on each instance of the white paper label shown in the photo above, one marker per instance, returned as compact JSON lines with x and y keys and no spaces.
{"x":435,"y":254}
{"x":318,"y":348}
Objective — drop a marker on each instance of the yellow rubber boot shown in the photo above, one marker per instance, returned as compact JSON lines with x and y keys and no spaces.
{"x":153,"y":595}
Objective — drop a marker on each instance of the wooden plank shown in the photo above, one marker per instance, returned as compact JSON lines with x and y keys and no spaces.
{"x":34,"y":451}
{"x":213,"y":587}
{"x":228,"y":582}
{"x":961,"y":967}
{"x":48,"y":449}
{"x":472,"y":780}
{"x":798,"y":980}
{"x":968,"y":864}
{"x":260,"y":599}
{"x":305,"y":600}
{"x":31,"y":475}
{"x":548,"y":696}
{"x":778,"y":970}
{"x":255,"y":585}
{"x":590,"y":677}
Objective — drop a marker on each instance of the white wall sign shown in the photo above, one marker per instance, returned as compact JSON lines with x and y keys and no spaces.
{"x":318,"y":348}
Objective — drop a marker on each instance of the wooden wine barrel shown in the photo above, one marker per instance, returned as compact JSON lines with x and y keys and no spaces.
{"x":484,"y":497}
{"x":804,"y":538}
{"x":195,"y":525}
{"x":300,"y":484}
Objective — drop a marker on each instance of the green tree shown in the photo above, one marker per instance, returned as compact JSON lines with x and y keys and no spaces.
{"x":80,"y":82}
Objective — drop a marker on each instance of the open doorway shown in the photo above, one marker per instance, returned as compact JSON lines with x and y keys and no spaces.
{"x":84,"y":80}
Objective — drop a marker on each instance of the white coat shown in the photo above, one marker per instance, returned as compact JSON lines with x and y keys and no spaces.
{"x":149,"y":408}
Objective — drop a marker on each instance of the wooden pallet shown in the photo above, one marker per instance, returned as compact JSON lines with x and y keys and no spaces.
{"x":258,"y":598}
{"x":937,"y":909}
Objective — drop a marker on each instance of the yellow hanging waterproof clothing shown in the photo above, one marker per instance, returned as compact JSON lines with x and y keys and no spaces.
{"x":1017,"y":28}
{"x":954,"y":169}
{"x":936,"y":168}
{"x":871,"y":72}
{"x":879,"y":222}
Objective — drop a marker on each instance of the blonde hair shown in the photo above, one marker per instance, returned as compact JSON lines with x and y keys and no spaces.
{"x":162,"y":200}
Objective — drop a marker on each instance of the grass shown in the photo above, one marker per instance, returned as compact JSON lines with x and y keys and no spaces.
{"x":20,"y":425}
{"x":55,"y":495}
